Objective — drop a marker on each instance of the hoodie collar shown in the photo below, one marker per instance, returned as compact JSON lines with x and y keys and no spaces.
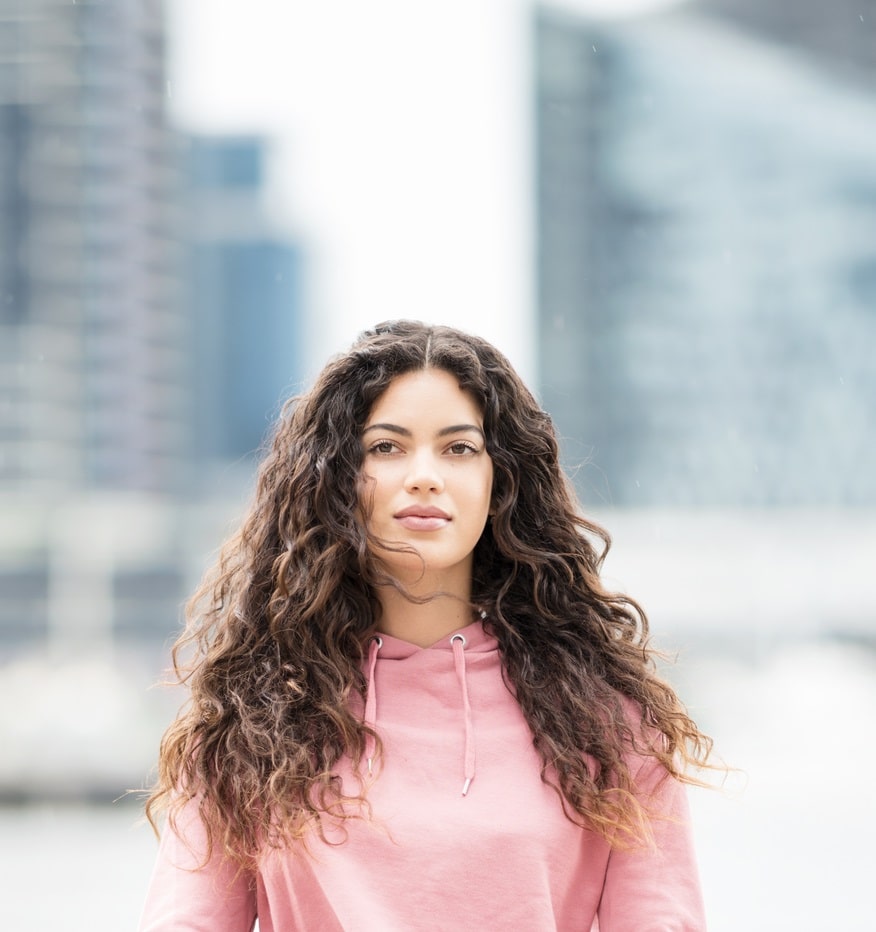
{"x":477,"y":641}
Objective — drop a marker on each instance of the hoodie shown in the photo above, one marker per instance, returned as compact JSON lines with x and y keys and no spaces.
{"x":463,"y":832}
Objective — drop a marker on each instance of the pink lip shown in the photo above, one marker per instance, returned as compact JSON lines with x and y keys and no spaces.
{"x":422,"y":511}
{"x":422,"y":518}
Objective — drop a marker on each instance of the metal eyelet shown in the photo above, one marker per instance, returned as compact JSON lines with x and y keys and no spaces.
{"x":458,"y":637}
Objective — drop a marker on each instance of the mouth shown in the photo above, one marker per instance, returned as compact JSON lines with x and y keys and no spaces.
{"x":422,"y":518}
{"x":422,"y":511}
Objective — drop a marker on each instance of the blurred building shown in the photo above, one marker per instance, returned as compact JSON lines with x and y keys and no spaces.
{"x":706,"y":214}
{"x":244,"y":297}
{"x":92,"y":334}
{"x":842,"y":34}
{"x":148,"y":320}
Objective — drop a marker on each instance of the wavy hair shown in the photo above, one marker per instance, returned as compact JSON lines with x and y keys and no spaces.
{"x":273,"y":648}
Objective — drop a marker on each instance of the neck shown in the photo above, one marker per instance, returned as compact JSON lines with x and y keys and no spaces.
{"x":422,"y":624}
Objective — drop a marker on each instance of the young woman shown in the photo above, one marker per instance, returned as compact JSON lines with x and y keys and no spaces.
{"x":413,"y":704}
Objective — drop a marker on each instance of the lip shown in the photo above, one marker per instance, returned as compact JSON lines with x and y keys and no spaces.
{"x":422,"y":518}
{"x":422,"y":511}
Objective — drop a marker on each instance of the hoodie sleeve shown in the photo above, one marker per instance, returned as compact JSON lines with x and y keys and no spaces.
{"x":656,"y":889}
{"x":187,"y":895}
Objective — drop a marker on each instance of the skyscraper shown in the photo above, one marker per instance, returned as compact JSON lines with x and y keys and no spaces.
{"x":91,"y":329}
{"x":706,"y":275}
{"x":841,"y":34}
{"x":148,"y":326}
{"x":243,"y":297}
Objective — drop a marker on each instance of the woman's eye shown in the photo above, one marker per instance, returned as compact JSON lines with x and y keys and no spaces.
{"x":383,"y":447}
{"x":461,"y":447}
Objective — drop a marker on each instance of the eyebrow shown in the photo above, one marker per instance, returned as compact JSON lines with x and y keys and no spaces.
{"x":404,"y":432}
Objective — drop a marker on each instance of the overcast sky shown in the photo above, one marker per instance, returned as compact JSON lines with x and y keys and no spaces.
{"x":402,"y":149}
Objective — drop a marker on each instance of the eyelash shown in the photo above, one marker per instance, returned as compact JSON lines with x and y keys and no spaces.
{"x":375,"y":447}
{"x":470,"y":447}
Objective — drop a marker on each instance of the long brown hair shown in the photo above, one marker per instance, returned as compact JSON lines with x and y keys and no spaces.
{"x":273,"y":649}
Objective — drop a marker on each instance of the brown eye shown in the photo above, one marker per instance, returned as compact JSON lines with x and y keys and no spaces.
{"x":383,"y":447}
{"x":462,"y":447}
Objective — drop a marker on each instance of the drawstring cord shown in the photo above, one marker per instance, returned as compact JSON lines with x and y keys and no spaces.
{"x":371,"y":701}
{"x":457,"y":642}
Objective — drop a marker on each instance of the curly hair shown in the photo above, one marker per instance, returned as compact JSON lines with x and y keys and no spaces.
{"x":276,"y":632}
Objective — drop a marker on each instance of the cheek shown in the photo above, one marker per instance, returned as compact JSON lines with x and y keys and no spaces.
{"x":489,"y":489}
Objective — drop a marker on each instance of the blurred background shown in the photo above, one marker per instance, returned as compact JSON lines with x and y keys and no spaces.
{"x":665,"y":215}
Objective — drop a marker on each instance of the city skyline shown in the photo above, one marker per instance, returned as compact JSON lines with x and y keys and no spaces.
{"x":683,"y":352}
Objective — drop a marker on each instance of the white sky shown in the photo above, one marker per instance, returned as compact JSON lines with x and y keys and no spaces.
{"x":402,"y":154}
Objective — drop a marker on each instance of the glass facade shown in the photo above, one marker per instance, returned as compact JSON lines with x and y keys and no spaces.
{"x":92,"y":327}
{"x":706,"y":209}
{"x":244,"y":294}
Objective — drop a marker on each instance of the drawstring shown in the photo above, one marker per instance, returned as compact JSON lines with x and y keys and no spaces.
{"x":457,"y":642}
{"x":371,"y":701}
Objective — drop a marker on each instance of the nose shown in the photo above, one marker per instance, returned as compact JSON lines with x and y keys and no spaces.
{"x":424,"y":473}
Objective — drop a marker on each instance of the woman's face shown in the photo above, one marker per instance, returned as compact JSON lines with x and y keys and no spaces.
{"x":427,"y":479}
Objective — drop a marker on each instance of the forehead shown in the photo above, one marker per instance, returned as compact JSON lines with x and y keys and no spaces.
{"x":432,"y":393}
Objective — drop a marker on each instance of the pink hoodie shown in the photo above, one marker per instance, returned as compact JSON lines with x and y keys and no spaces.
{"x":502,"y":856}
